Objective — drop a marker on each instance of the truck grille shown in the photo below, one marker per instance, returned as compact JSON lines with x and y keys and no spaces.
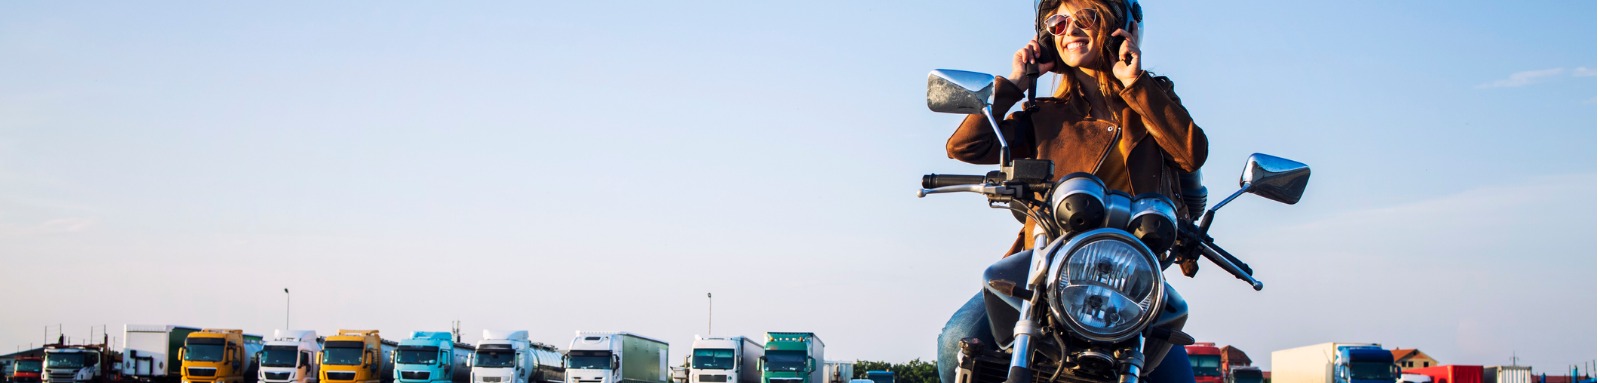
{"x":341,"y":375}
{"x":61,"y":377}
{"x":491,"y":379}
{"x":708,"y":378}
{"x":418,"y":375}
{"x":276,"y":375}
{"x":202,"y":372}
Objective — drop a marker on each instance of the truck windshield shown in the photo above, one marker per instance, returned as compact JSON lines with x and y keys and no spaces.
{"x":1371,"y":371}
{"x":713,"y":358}
{"x":203,"y":350}
{"x":1206,"y":365}
{"x":494,"y":358}
{"x":64,"y":360}
{"x":418,"y":355}
{"x":589,"y":360}
{"x":785,"y":360}
{"x":1246,"y":376}
{"x":28,"y":365}
{"x":881,"y":376}
{"x":279,"y":356}
{"x":341,"y":356}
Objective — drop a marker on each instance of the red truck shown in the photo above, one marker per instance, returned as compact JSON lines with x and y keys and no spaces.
{"x":1206,"y":361}
{"x":1450,"y":373}
{"x":25,"y":369}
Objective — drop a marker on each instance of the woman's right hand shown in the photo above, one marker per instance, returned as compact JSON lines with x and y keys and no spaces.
{"x":1025,"y":57}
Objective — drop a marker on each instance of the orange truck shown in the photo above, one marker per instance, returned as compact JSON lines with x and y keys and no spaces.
{"x":219,"y":356}
{"x":356,"y":356}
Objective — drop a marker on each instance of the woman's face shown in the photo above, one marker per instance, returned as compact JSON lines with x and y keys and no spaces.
{"x":1074,"y":44}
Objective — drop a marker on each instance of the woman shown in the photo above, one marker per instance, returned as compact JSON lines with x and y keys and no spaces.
{"x":1108,"y":117}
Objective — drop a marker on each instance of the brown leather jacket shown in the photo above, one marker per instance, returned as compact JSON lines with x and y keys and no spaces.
{"x":1155,"y":140}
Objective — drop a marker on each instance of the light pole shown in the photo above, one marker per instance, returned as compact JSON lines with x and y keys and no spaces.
{"x":286,"y":309}
{"x":708,"y":313}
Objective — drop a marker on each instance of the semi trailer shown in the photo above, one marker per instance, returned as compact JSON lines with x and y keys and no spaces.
{"x":1334,"y":363}
{"x":734,"y":359}
{"x":150,"y":352}
{"x":432,"y":357}
{"x":291,"y":357}
{"x":219,"y":356}
{"x":616,"y":357}
{"x":792,"y":357}
{"x":356,"y":356}
{"x":509,"y":357}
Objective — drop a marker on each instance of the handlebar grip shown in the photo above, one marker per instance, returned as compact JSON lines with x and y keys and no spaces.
{"x":941,"y":180}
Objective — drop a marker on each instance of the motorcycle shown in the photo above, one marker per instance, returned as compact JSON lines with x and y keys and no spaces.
{"x":1093,"y":305}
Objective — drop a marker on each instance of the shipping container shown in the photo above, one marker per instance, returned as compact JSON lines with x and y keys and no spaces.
{"x":1451,"y":373}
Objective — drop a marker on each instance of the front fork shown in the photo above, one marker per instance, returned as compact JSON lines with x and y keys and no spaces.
{"x":1027,"y":327}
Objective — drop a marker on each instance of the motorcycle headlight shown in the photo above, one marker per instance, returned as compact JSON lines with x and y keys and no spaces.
{"x":1108,"y":285}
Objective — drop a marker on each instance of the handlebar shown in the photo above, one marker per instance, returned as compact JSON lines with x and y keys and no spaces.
{"x":932,"y":181}
{"x":1227,"y":262}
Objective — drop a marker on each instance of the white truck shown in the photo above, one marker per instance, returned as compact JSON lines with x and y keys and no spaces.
{"x":734,"y":359}
{"x":150,"y":352}
{"x":616,"y":357}
{"x":1508,"y":374}
{"x":1335,"y":362}
{"x":838,"y":371}
{"x":290,"y":357}
{"x":509,"y":357}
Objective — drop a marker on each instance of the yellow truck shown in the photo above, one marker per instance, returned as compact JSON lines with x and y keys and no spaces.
{"x":356,"y":356}
{"x":219,"y":356}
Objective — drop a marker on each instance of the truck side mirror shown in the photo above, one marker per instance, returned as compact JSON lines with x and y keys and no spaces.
{"x":811,"y":364}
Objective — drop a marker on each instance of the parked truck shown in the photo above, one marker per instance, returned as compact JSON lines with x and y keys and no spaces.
{"x":1451,"y":373}
{"x":838,"y":371}
{"x":291,"y":357}
{"x":1334,"y":363}
{"x":734,"y":359}
{"x":356,"y":356}
{"x":1206,"y":361}
{"x":150,"y":352}
{"x":80,"y":364}
{"x":25,"y":369}
{"x":509,"y":357}
{"x":219,"y":356}
{"x":792,"y":357}
{"x":432,"y":357}
{"x":616,"y":357}
{"x":880,"y":376}
{"x":1507,"y":374}
{"x":1244,"y":374}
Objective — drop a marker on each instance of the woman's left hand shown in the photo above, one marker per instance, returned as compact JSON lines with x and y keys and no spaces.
{"x":1127,"y":68}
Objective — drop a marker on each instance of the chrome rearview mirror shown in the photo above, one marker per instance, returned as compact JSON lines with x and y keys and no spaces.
{"x":1275,"y":178}
{"x":959,"y":91}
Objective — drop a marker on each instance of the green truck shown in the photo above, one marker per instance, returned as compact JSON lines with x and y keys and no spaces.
{"x":792,"y":357}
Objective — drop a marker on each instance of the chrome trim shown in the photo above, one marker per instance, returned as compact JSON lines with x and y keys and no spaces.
{"x":1119,"y":210}
{"x":1157,"y":289}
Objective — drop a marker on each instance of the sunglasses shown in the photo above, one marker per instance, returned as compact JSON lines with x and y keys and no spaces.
{"x":1083,"y":19}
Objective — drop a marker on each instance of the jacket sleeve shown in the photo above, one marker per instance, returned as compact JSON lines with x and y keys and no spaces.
{"x":974,"y":142}
{"x":1167,"y":120}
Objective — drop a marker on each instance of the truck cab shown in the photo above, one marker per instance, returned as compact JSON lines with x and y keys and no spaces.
{"x":734,"y":359}
{"x":880,"y":376}
{"x":1365,"y":364}
{"x":432,"y":357}
{"x":219,"y":356}
{"x":509,"y":357}
{"x":356,"y":356}
{"x":616,"y":357}
{"x":77,"y":364}
{"x":792,"y":357}
{"x":25,"y":369}
{"x":1206,"y":361}
{"x":1244,"y":374}
{"x":290,"y":357}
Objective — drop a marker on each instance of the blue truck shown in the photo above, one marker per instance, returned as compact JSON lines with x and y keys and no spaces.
{"x":1335,"y":363}
{"x":880,"y":376}
{"x":432,"y":357}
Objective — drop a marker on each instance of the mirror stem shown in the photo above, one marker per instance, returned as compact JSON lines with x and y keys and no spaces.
{"x":1005,"y":148}
{"x":1205,"y":221}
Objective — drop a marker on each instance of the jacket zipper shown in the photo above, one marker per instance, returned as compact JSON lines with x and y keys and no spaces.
{"x":1116,"y":137}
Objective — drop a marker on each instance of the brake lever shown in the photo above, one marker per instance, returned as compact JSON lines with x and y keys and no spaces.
{"x":980,"y":189}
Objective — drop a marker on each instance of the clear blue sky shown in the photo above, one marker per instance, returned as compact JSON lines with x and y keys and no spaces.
{"x":561,"y":166}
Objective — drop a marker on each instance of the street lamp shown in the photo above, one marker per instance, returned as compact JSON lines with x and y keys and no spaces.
{"x":286,"y":309}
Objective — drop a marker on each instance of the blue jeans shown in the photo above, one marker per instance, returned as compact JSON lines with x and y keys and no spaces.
{"x":972,"y":321}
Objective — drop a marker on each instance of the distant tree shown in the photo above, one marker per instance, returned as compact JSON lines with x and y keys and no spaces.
{"x":915,"y":371}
